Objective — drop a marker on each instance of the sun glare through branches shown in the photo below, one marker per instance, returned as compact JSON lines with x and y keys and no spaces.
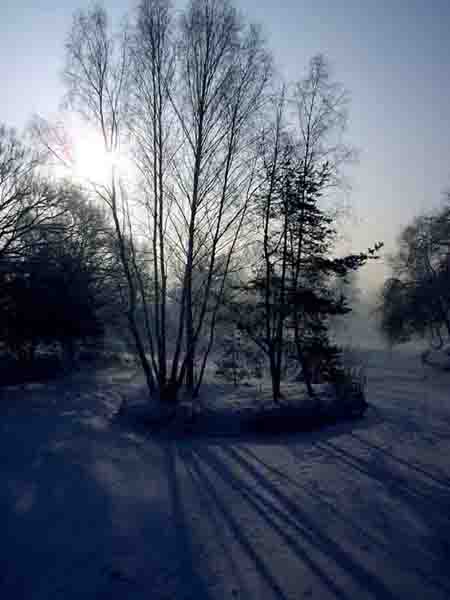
{"x":81,"y":156}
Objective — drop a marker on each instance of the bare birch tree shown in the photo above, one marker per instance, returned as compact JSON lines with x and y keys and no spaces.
{"x":153,"y":68}
{"x":263,"y":319}
{"x":224,"y":71}
{"x":320,"y":107}
{"x":188,"y":99}
{"x":98,"y":78}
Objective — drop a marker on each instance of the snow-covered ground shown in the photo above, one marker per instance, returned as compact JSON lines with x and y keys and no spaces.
{"x":93,"y":509}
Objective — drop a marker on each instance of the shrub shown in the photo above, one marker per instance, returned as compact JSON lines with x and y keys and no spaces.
{"x":349,"y":379}
{"x":232,"y":364}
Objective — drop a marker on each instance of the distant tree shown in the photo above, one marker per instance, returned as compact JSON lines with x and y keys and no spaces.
{"x":397,"y":321}
{"x":415,"y":301}
{"x":348,"y":288}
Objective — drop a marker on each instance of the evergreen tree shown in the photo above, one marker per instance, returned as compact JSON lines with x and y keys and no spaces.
{"x":291,"y":297}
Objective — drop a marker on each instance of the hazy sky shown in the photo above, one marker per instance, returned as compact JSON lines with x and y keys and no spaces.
{"x":392,"y":55}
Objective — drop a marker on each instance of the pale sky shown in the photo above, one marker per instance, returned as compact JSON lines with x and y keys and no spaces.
{"x":392,"y":55}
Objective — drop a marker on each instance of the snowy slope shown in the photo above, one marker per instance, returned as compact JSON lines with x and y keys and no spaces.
{"x":90,"y":509}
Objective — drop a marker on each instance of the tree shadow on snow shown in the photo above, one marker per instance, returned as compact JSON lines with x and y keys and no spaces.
{"x":94,"y":508}
{"x":346,"y":553}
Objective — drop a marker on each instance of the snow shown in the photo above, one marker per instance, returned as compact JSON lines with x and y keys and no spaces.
{"x":92,"y":507}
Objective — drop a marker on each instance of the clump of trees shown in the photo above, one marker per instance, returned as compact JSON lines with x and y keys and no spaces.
{"x":292,"y":292}
{"x":188,"y":95}
{"x":57,"y":259}
{"x":415,"y":301}
{"x":228,"y":215}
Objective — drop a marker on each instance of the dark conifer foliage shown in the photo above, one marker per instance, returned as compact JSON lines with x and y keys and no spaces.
{"x":291,"y":297}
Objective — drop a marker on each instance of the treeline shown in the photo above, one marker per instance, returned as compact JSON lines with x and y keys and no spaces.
{"x":229,"y":221}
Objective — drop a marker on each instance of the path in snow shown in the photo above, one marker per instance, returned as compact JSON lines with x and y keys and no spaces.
{"x":89,"y":509}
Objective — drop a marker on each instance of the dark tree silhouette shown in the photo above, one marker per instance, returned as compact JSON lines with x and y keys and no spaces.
{"x":64,"y":286}
{"x":190,"y":117}
{"x":415,"y":301}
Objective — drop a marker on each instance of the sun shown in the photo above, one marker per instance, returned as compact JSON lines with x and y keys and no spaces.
{"x":82,"y":157}
{"x":91,"y":162}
